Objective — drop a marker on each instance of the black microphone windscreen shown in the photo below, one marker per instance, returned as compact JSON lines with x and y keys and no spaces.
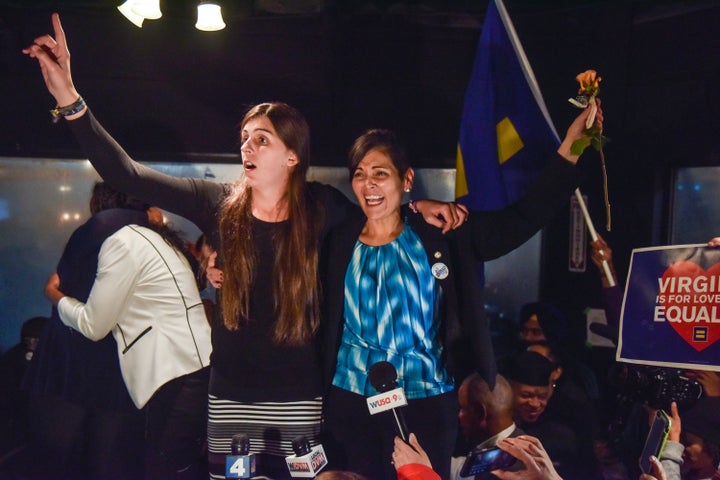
{"x":301,"y":445}
{"x":240,"y":444}
{"x":383,"y":376}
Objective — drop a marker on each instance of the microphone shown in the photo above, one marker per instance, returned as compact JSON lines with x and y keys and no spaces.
{"x":383,"y":377}
{"x":240,"y":463}
{"x":306,"y":462}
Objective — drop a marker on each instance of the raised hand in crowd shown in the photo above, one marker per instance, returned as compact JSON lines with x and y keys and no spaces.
{"x":410,"y":452}
{"x":530,"y":451}
{"x":411,"y":461}
{"x":602,"y":251}
{"x":710,"y":381}
{"x":675,"y":423}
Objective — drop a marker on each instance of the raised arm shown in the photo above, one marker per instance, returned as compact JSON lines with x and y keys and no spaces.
{"x":194,"y":199}
{"x":498,"y":232}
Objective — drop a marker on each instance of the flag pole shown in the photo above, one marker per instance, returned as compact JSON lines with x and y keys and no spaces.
{"x":593,"y":235}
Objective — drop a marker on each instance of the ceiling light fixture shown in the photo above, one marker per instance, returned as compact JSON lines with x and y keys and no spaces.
{"x":209,"y":17}
{"x":126,"y":10}
{"x":148,"y":9}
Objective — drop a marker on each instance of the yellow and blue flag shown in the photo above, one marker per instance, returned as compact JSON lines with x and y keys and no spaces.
{"x":506,"y":135}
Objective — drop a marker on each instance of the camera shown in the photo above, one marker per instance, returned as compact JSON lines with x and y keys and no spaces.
{"x":656,"y":387}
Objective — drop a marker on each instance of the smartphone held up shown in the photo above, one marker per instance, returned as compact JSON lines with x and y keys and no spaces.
{"x":655,"y":441}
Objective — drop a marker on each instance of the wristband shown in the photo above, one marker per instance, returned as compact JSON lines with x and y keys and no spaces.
{"x":412,"y":206}
{"x":71,"y":109}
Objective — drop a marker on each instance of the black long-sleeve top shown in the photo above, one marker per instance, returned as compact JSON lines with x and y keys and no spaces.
{"x":246,"y":364}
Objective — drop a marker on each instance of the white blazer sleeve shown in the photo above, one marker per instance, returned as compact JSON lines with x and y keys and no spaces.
{"x":114,"y":283}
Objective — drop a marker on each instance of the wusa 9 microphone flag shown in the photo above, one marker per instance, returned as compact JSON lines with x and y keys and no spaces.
{"x":671,"y":310}
{"x":506,"y":135}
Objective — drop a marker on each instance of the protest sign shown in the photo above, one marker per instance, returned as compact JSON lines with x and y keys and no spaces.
{"x":671,"y":308}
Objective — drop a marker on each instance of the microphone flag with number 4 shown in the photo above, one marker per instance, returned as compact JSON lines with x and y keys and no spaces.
{"x":671,"y":308}
{"x":506,"y":134}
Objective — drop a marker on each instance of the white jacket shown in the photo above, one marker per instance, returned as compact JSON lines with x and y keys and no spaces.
{"x":145,"y":293}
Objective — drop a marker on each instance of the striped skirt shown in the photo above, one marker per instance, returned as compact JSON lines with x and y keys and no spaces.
{"x":270,"y":426}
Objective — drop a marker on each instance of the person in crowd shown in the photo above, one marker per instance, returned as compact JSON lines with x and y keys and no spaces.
{"x":692,"y":449}
{"x":145,"y":293}
{"x":267,"y":228}
{"x":529,"y":376}
{"x":485,"y":415}
{"x":13,"y":397}
{"x":401,"y":293}
{"x":209,"y":277}
{"x":545,"y":329}
{"x":15,"y":361}
{"x":570,"y":402}
{"x":82,"y":418}
{"x":700,"y":435}
{"x":540,"y":321}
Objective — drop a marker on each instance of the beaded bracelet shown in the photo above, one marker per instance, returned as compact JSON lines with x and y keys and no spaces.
{"x":71,"y":109}
{"x":412,"y":206}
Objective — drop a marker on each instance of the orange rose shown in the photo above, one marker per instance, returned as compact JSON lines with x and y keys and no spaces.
{"x":589,"y":82}
{"x":592,"y":135}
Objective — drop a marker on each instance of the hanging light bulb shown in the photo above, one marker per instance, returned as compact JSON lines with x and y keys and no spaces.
{"x":209,"y":17}
{"x":126,"y":10}
{"x":148,"y":9}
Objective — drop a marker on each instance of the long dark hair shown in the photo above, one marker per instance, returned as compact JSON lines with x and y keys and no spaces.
{"x":295,"y":288}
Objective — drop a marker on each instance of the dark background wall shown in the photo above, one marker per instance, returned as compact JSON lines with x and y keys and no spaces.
{"x":167,"y":90}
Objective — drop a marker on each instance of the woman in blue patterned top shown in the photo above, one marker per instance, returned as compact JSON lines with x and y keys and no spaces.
{"x":397,"y":291}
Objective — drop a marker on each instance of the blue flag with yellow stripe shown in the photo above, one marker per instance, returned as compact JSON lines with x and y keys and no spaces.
{"x":506,"y":135}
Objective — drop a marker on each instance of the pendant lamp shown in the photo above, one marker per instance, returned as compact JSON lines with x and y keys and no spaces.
{"x":126,"y":10}
{"x":148,"y":9}
{"x":209,"y":17}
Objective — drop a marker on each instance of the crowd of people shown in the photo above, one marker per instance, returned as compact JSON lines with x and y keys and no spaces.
{"x":304,"y":293}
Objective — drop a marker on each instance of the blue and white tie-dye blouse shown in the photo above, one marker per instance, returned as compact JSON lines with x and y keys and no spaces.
{"x":390,"y":296}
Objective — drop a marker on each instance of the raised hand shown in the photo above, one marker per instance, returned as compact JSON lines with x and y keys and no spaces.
{"x":530,"y":451}
{"x":53,"y":57}
{"x":576,"y":130}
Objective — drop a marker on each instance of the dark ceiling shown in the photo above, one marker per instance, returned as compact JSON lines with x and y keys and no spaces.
{"x":234,"y":8}
{"x":347,"y":65}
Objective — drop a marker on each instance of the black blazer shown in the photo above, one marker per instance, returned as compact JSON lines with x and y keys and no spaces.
{"x":464,"y":329}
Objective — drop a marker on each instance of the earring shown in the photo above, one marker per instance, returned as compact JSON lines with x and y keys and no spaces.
{"x":407,"y":190}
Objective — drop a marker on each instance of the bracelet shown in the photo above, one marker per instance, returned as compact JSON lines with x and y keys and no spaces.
{"x":412,"y":206}
{"x":71,"y":109}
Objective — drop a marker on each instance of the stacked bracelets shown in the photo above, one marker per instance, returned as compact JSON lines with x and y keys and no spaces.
{"x":71,"y":109}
